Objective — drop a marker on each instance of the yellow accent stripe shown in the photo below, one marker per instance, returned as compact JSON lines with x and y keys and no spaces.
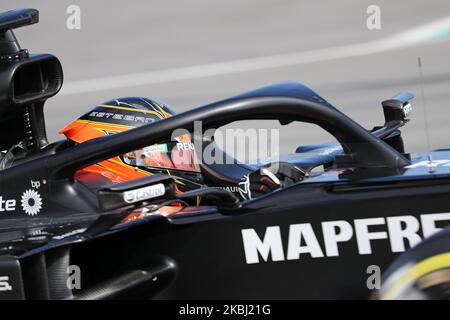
{"x":106,"y":124}
{"x":420,"y":269}
{"x":133,"y":109}
{"x":176,"y":180}
{"x":108,"y":168}
{"x":162,"y":110}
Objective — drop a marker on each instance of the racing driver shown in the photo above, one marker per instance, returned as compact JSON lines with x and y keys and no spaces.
{"x":176,"y":158}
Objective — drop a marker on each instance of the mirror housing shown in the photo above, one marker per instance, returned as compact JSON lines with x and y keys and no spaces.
{"x":26,"y":82}
{"x":398,"y":108}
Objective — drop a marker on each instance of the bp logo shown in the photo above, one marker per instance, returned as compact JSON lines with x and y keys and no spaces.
{"x":31,"y":202}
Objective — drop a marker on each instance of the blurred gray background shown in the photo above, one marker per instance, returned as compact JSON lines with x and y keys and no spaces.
{"x":189,"y":53}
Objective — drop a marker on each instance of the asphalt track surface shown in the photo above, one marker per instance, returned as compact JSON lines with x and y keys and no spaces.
{"x":189,"y":53}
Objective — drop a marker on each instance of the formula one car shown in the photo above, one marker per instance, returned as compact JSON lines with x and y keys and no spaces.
{"x":364,"y":202}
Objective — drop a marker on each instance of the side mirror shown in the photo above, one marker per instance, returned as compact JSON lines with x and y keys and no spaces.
{"x":135,"y":192}
{"x":26,"y":82}
{"x":398,"y":108}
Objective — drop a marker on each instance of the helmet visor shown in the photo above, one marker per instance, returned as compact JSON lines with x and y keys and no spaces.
{"x":175,"y":155}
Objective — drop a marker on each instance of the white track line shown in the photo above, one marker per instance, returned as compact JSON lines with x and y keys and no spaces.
{"x":415,"y":36}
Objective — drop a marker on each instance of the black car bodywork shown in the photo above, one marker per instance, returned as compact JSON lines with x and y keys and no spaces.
{"x":315,"y":239}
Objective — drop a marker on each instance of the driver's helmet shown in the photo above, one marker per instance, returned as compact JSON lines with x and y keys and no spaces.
{"x":176,"y":158}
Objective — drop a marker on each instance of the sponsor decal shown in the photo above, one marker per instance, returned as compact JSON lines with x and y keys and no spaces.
{"x":7,"y":204}
{"x":406,"y":109}
{"x":303,"y":240}
{"x":243,"y":188}
{"x":156,"y":148}
{"x":35,"y":184}
{"x":234,"y":189}
{"x":96,"y":115}
{"x":185,"y":146}
{"x":31,"y":202}
{"x":144,"y":193}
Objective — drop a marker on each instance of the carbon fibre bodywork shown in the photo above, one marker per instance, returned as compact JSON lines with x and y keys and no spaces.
{"x":314,"y":239}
